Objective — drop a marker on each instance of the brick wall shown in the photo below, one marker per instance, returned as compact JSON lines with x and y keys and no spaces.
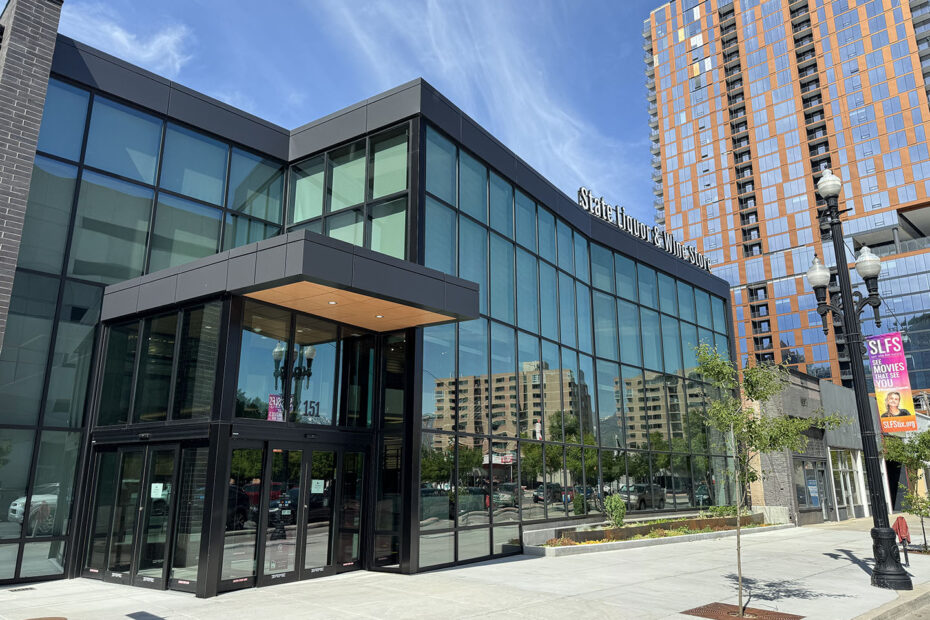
{"x":29,"y":31}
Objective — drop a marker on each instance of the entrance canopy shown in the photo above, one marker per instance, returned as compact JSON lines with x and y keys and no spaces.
{"x":309,"y":273}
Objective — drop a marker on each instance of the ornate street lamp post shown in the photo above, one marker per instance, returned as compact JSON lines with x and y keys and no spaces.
{"x":887,"y":572}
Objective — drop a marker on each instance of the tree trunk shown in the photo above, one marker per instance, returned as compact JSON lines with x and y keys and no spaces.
{"x":739,"y":501}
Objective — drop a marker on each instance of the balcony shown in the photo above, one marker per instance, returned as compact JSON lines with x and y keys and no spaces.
{"x":758,"y":312}
{"x":733,"y":100}
{"x":734,"y":70}
{"x":724,"y":31}
{"x":657,"y":189}
{"x":657,"y":175}
{"x":651,"y":94}
{"x":735,"y":84}
{"x":812,"y":102}
{"x":749,"y":219}
{"x":745,"y":188}
{"x":728,"y":43}
{"x":739,"y":128}
{"x":817,"y":134}
{"x":654,"y":149}
{"x":806,"y":56}
{"x":810,"y":86}
{"x":820,"y":149}
{"x":801,"y":26}
{"x":814,"y":118}
{"x":741,"y":143}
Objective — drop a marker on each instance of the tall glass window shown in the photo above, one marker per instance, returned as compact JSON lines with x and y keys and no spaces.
{"x":626,"y":278}
{"x":348,"y":226}
{"x":630,"y":343}
{"x":652,"y":339}
{"x":502,"y":284}
{"x":548,"y":308}
{"x":439,"y":383}
{"x":583,"y":305}
{"x":648,"y":290}
{"x":389,"y":163}
{"x":313,"y":371}
{"x":685,"y":302}
{"x":18,"y":446}
{"x":110,"y":229}
{"x":668,"y":301}
{"x":501,"y":206}
{"x":347,"y":176}
{"x":473,"y":376}
{"x":605,"y":326}
{"x":256,"y":186}
{"x":123,"y":141}
{"x":63,"y":118}
{"x":671,"y":340}
{"x":48,"y":215}
{"x":194,"y":164}
{"x":260,"y":392}
{"x":440,"y":166}
{"x":440,"y":251}
{"x":503,"y":387}
{"x":52,"y":482}
{"x":240,"y":231}
{"x":122,"y":341}
{"x":566,"y":310}
{"x":157,"y":356}
{"x":200,"y":331}
{"x":566,"y":247}
{"x":306,"y":190}
{"x":546,"y":224}
{"x":602,"y":268}
{"x":581,"y":258}
{"x":184,"y":231}
{"x":527,"y":291}
{"x":473,"y":257}
{"x":473,"y":187}
{"x":526,"y":221}
{"x":388,"y":227}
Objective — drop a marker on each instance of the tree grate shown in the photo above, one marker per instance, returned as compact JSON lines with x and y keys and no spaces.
{"x":724,"y":611}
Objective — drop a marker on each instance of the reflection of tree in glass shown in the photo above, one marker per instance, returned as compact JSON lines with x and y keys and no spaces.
{"x":246,"y":465}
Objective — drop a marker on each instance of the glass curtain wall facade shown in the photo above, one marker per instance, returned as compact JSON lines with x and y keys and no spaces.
{"x":578,"y":381}
{"x":749,"y":100}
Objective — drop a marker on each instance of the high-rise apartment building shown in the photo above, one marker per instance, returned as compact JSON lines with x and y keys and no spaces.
{"x":749,"y":101}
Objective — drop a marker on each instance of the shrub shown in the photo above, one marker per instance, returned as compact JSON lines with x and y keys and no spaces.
{"x":615,"y":508}
{"x":578,"y":503}
{"x":564,"y":541}
{"x":723,"y":511}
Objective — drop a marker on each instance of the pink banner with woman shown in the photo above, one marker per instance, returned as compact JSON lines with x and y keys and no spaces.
{"x":892,"y":383}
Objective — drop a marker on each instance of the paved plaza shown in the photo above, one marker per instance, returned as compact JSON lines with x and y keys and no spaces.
{"x":817,"y":572}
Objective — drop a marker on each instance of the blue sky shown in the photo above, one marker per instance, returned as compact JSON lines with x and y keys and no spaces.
{"x":560,"y":82}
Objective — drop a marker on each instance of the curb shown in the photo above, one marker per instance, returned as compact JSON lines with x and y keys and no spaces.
{"x":552,"y":552}
{"x":907,"y":602}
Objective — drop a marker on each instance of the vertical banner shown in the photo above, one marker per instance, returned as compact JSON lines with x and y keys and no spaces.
{"x":892,"y":383}
{"x":275,"y":408}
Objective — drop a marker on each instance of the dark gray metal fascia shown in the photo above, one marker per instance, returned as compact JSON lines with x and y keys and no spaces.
{"x":294,"y":257}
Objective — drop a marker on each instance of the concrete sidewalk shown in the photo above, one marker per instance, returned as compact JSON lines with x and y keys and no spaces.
{"x":817,"y":572}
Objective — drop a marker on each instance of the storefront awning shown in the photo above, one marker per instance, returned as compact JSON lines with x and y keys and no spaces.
{"x":309,"y":273}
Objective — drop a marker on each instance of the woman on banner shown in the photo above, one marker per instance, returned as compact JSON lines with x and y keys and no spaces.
{"x":892,"y":410}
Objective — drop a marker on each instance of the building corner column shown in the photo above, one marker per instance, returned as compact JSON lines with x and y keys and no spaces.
{"x":28,"y":31}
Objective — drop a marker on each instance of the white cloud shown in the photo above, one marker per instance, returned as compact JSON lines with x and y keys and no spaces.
{"x":481,"y":56}
{"x":163,"y":50}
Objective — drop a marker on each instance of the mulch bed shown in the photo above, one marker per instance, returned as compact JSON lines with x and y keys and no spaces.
{"x":724,"y":611}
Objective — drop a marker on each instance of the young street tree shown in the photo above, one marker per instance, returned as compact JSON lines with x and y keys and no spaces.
{"x":913,"y":453}
{"x":753,"y":433}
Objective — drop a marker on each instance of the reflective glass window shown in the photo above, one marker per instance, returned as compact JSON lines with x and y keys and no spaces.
{"x":626,"y":277}
{"x":194,"y":164}
{"x":671,"y":340}
{"x":242,"y":507}
{"x":548,"y":309}
{"x":688,"y":345}
{"x":719,"y":314}
{"x":347,"y":176}
{"x":243,"y":230}
{"x":473,"y":258}
{"x":685,"y":301}
{"x":581,"y":258}
{"x":526,"y":221}
{"x":502,"y":284}
{"x":184,"y":231}
{"x":48,"y":215}
{"x":702,"y":302}
{"x":440,"y":238}
{"x":74,"y":345}
{"x":501,"y":206}
{"x":260,"y":392}
{"x":191,"y":480}
{"x":630,"y":343}
{"x":53,"y":479}
{"x":256,"y":186}
{"x":16,"y":446}
{"x":609,"y":404}
{"x":358,"y":372}
{"x":527,"y":291}
{"x":566,"y":310}
{"x":552,"y":380}
{"x":120,"y":360}
{"x":439,"y":384}
{"x":668,"y":301}
{"x":585,"y":407}
{"x":473,"y":187}
{"x":62,"y":129}
{"x":389,"y":227}
{"x":529,"y":375}
{"x":394,"y":378}
{"x":652,"y":339}
{"x":436,"y":548}
{"x":571,"y":396}
{"x":472,"y":499}
{"x":566,"y":247}
{"x":503,"y":381}
{"x":505,"y":489}
{"x":200,"y":341}
{"x":473,"y":376}
{"x":648,"y":291}
{"x":602,"y":268}
{"x":473,"y":543}
{"x":110,"y":229}
{"x":605,"y":326}
{"x":440,"y":166}
{"x":313,"y":371}
{"x":348,"y":226}
{"x":306,"y":190}
{"x":437,"y":473}
{"x":583,"y":314}
{"x":43,"y":559}
{"x":123,"y":141}
{"x":25,"y":347}
{"x":546,"y":226}
{"x":389,"y":163}
{"x":154,"y":380}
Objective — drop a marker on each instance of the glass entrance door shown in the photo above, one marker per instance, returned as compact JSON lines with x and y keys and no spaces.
{"x":131,"y":522}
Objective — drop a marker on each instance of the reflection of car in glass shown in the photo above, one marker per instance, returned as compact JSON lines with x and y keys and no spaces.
{"x":702,"y":496}
{"x":42,"y":509}
{"x":552,"y":492}
{"x":641,"y":496}
{"x":254,"y":491}
{"x":472,"y":499}
{"x":507,"y":494}
{"x":283,"y":509}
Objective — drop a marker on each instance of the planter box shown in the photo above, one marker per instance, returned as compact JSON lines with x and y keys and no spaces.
{"x":625,"y":533}
{"x":550,"y":552}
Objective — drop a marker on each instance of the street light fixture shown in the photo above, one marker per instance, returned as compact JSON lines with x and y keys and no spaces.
{"x":887,"y":572}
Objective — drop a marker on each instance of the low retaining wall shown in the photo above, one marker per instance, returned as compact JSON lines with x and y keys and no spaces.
{"x":550,"y":552}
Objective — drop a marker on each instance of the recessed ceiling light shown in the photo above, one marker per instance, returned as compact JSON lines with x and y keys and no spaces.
{"x":258,"y":330}
{"x":379,"y":316}
{"x":332,"y":303}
